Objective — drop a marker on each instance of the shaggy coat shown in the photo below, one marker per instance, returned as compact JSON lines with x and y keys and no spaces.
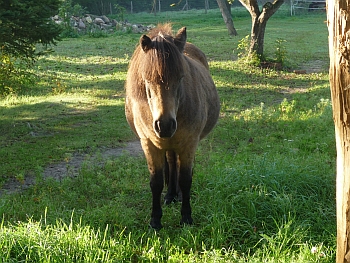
{"x":171,"y":104}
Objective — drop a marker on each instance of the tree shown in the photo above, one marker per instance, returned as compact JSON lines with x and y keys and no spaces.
{"x":259,"y":21}
{"x":225,"y":9}
{"x":338,"y":12}
{"x":25,"y":23}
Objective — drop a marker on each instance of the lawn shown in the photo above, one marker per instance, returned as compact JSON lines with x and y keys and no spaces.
{"x":264,"y":179}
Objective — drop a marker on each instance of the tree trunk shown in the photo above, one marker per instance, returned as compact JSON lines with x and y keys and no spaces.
{"x":259,"y":21}
{"x":338,"y":12}
{"x":257,"y":37}
{"x":226,"y":15}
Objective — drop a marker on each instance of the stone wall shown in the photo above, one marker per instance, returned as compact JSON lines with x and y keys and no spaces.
{"x":103,"y":23}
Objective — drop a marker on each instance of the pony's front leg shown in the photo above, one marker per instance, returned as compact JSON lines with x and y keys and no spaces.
{"x":185,"y":183}
{"x":155,"y":160}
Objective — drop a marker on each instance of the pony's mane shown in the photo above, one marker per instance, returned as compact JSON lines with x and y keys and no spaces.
{"x":163,"y":63}
{"x":164,"y":29}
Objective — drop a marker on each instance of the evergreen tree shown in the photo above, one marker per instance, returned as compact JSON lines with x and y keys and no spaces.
{"x":24,"y":23}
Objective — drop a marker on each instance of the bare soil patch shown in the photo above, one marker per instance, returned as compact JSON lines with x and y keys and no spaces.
{"x":71,"y":166}
{"x":314,"y":66}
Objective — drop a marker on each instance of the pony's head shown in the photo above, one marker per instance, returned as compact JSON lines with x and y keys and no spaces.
{"x":162,"y":73}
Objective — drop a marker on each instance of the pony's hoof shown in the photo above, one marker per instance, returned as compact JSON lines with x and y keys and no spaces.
{"x":169,"y":200}
{"x":155,"y":224}
{"x":186,"y":220}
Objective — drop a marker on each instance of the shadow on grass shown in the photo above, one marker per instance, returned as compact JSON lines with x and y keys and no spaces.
{"x":34,"y":135}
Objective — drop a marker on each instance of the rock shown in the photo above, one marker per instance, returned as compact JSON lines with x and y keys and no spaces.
{"x":92,"y":22}
{"x":114,"y":22}
{"x":81,"y":24}
{"x":105,"y":26}
{"x":98,"y":21}
{"x":88,"y":19}
{"x":105,"y":19}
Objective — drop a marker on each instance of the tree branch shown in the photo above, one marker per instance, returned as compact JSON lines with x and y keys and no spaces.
{"x":269,"y":9}
{"x":252,"y":6}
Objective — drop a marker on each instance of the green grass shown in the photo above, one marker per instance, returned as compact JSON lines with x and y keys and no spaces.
{"x":264,"y":179}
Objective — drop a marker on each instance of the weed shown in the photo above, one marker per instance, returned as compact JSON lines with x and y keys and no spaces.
{"x":281,"y":51}
{"x":244,"y":54}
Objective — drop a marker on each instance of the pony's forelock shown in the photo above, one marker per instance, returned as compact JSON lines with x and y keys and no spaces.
{"x":162,"y":63}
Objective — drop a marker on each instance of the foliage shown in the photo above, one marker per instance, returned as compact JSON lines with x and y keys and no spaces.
{"x":23,"y":24}
{"x":26,"y":23}
{"x":120,"y":12}
{"x":66,"y":11}
{"x":105,"y":7}
{"x":244,"y":53}
{"x":281,"y":51}
{"x":13,"y":75}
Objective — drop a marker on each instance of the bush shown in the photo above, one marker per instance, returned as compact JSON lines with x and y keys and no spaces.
{"x":13,"y":76}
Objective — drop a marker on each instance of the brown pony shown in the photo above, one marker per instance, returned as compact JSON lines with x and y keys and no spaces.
{"x":171,"y":104}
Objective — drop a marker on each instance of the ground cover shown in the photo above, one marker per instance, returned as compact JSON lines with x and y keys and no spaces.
{"x":264,"y":180}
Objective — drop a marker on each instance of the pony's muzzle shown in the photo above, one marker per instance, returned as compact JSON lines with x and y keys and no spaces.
{"x":165,"y":128}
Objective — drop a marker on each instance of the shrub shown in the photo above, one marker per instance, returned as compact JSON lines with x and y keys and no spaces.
{"x":13,"y":76}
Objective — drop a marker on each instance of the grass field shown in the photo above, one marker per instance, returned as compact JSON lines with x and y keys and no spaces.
{"x":264,"y":179}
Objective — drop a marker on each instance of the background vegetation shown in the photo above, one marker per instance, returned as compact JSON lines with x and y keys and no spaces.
{"x":23,"y":25}
{"x":105,"y":7}
{"x":264,"y":180}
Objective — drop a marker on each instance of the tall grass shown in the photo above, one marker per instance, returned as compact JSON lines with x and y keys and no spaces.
{"x":264,"y":179}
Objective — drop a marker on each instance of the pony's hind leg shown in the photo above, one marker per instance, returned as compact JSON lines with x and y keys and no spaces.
{"x":171,"y":177}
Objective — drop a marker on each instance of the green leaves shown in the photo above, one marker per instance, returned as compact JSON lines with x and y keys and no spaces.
{"x":26,"y":23}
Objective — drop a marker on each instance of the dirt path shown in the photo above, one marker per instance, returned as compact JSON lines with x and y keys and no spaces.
{"x":71,"y":167}
{"x":314,"y":66}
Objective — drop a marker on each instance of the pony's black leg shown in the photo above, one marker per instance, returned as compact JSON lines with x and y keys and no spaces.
{"x":156,"y":184}
{"x":155,"y":161}
{"x":185,"y":182}
{"x":171,"y":176}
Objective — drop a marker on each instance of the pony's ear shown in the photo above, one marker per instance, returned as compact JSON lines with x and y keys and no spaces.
{"x":146,"y":43}
{"x":180,"y":39}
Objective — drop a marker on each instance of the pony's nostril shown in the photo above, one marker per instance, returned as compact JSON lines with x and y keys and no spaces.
{"x":165,"y":129}
{"x":157,"y":126}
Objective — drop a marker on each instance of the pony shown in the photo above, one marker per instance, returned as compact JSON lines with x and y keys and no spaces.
{"x":171,"y":104}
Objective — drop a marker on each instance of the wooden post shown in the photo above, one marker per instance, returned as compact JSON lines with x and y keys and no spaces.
{"x":338,"y":13}
{"x":206,"y":5}
{"x":154,"y":7}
